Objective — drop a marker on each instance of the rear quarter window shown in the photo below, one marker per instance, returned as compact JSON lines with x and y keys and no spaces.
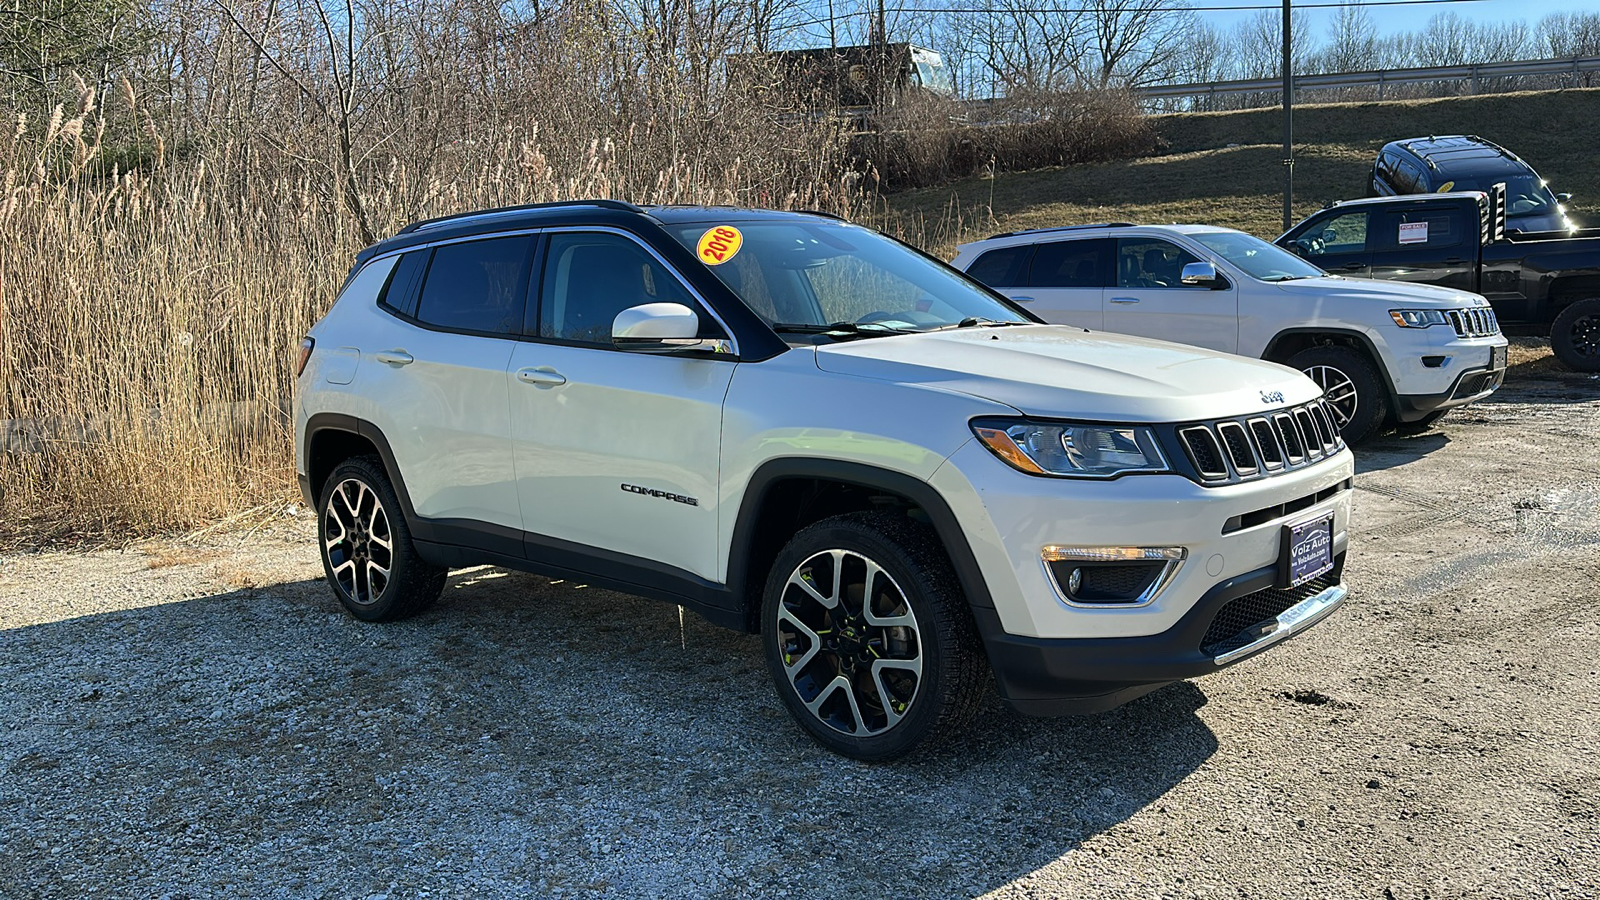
{"x":1005,"y":267}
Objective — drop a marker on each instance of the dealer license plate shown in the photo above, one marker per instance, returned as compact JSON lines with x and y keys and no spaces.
{"x":1497,"y":358}
{"x":1307,"y":550}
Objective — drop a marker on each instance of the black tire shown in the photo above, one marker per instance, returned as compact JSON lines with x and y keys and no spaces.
{"x":1421,"y":425}
{"x":1575,"y":335}
{"x":889,"y":712}
{"x":1332,"y":368}
{"x":358,"y":500}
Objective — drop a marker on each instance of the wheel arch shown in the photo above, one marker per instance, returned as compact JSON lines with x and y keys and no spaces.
{"x":787,"y":494}
{"x":332,"y":438}
{"x":1285,"y":344}
{"x":1569,"y":289}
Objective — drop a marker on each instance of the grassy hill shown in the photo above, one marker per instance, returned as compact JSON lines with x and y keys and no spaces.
{"x":1225,"y":169}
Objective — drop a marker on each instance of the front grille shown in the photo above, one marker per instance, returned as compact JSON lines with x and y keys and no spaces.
{"x":1238,"y":621}
{"x":1282,"y":510}
{"x":1232,"y":450}
{"x":1479,"y":321}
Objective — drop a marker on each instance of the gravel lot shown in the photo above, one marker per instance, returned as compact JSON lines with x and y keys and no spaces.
{"x":193,"y":720}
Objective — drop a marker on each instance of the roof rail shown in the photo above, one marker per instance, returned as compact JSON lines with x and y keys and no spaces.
{"x":425,"y":224}
{"x":1062,"y":228}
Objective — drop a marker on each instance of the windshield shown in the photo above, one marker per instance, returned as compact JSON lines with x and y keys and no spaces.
{"x":800,"y":275}
{"x":1256,"y":257}
{"x":1525,"y":194}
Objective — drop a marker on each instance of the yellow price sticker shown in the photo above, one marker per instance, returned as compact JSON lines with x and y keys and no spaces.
{"x":719,"y":245}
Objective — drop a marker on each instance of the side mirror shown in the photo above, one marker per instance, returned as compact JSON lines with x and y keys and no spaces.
{"x":658,"y":328}
{"x":1201,"y":274}
{"x":1563,"y":198}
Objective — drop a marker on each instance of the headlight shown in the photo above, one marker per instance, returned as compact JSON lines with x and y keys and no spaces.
{"x":1066,"y":449}
{"x":1418,"y":318}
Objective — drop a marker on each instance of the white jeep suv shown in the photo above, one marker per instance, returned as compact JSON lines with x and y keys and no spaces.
{"x":1384,"y":353}
{"x":801,"y":428}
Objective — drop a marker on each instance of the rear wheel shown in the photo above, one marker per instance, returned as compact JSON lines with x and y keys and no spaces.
{"x":1352,"y":387}
{"x":1575,"y":335}
{"x":367,"y":552}
{"x":868,"y":637}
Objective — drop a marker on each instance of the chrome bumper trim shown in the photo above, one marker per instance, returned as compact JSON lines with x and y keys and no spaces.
{"x":1296,"y":618}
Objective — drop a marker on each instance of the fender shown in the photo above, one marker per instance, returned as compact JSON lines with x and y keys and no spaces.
{"x":775,"y":471}
{"x":1361,"y":339}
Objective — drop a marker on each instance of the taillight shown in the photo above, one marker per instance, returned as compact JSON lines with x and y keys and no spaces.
{"x":306,"y":343}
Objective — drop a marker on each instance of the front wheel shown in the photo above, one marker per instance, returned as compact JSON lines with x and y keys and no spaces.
{"x":868,"y":637}
{"x":1352,"y":387}
{"x":1575,"y":336}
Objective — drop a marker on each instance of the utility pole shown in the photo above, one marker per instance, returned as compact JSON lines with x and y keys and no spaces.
{"x":1288,"y":123}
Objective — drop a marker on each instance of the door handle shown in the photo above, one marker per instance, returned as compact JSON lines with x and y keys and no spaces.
{"x":543,"y":375}
{"x":1124,"y":299}
{"x":394,"y":357}
{"x":1353,"y":266}
{"x":1454,"y":261}
{"x":1022,"y":299}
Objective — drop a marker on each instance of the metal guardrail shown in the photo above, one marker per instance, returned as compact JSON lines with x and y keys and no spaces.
{"x":1574,"y":66}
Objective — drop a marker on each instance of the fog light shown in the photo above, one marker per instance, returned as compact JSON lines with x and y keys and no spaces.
{"x":1111,"y":576}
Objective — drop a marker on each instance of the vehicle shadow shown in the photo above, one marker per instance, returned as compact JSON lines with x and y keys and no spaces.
{"x":1395,"y":448}
{"x":523,"y":736}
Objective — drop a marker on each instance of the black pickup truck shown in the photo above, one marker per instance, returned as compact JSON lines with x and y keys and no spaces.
{"x":1544,"y":283}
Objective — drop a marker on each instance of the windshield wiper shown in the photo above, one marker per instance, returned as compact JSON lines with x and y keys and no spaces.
{"x":1288,"y":278}
{"x":980,"y":322}
{"x":839,"y":327}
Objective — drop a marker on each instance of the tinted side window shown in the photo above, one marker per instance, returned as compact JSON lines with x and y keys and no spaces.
{"x":589,"y":278}
{"x":477,"y":285}
{"x":400,"y":294}
{"x":1150,"y":263}
{"x":1070,"y":264}
{"x":1005,"y":267}
{"x":1408,"y":178}
{"x":1434,"y":229}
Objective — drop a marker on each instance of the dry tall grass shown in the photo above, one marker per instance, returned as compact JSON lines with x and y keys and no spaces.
{"x":148,"y":318}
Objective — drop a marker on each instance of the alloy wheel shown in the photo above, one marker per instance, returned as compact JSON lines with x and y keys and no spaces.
{"x":1338,"y":390}
{"x":849,"y":642}
{"x":357,"y":541}
{"x":1586,"y":336}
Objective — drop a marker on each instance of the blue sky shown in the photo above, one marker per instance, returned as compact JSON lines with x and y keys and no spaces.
{"x":1391,"y":19}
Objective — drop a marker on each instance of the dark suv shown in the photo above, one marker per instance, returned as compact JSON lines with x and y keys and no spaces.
{"x":1458,"y":162}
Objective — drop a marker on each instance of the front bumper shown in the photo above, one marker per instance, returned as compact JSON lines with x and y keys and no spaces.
{"x":1063,"y":676}
{"x":1472,"y":385}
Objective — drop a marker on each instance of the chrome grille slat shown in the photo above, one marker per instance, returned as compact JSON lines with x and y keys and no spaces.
{"x":1478,"y":321}
{"x":1225,"y":451}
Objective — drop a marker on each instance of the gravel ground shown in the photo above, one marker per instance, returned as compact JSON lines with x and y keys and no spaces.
{"x":203,"y":720}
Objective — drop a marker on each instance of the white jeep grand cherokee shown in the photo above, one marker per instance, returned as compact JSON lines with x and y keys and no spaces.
{"x":1384,"y":353}
{"x":801,"y":428}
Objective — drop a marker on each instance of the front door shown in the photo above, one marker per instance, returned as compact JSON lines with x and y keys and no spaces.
{"x":1150,"y":299}
{"x":1339,"y":245}
{"x":616,"y":451}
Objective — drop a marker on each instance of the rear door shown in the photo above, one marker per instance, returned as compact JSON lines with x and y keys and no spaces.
{"x":1150,"y":299}
{"x":1066,"y":282}
{"x":438,"y":372}
{"x":1434,"y":244}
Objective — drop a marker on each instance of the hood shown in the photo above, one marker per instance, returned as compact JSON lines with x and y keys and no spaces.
{"x":1064,"y":372}
{"x":1394,"y":293}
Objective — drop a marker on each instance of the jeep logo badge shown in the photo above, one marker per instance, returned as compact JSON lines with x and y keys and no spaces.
{"x":1272,"y":396}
